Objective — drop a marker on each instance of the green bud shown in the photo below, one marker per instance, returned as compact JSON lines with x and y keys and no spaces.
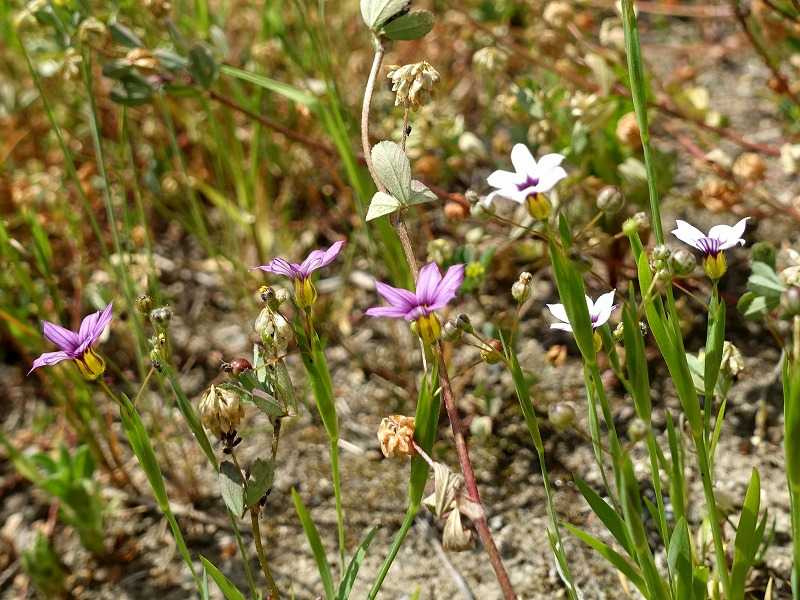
{"x":451,"y":332}
{"x":561,"y":415}
{"x":638,"y":222}
{"x":144,"y":304}
{"x":683,"y":262}
{"x":610,"y":200}
{"x":463,"y":323}
{"x":661,"y":252}
{"x":521,"y":290}
{"x":161,"y":315}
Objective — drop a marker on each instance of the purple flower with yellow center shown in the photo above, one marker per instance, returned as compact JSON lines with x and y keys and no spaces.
{"x":713,"y":245}
{"x":305,"y":294}
{"x":433,"y":293}
{"x":78,"y":346}
{"x":529,"y":181}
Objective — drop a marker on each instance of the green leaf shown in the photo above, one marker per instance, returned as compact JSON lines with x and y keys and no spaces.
{"x":764,"y":281}
{"x":636,"y":361}
{"x":262,"y":476}
{"x":267,"y":403}
{"x":316,"y":545}
{"x":427,"y":420}
{"x":573,"y":295}
{"x":607,"y":515}
{"x":126,"y":37}
{"x":349,"y":578}
{"x":421,"y":193}
{"x":754,"y":307}
{"x":746,"y":544}
{"x":382,"y":204}
{"x":393,"y":169}
{"x":715,"y":338}
{"x":679,"y":559}
{"x":619,"y":562}
{"x":202,"y":66}
{"x":224,"y":584}
{"x":411,"y":26}
{"x":273,"y":85}
{"x":231,"y":486}
{"x":376,"y":12}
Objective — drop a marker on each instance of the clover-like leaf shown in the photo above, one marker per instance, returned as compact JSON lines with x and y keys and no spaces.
{"x":376,"y":12}
{"x":231,"y":486}
{"x":382,"y":204}
{"x":393,"y":169}
{"x":267,"y":403}
{"x":262,"y":474}
{"x":421,"y":193}
{"x":411,"y":26}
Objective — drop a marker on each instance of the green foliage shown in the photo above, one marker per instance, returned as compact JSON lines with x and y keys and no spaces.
{"x":41,"y":563}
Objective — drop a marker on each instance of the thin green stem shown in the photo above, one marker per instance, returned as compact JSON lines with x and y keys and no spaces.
{"x":713,"y":514}
{"x":337,"y":493}
{"x":399,"y":538}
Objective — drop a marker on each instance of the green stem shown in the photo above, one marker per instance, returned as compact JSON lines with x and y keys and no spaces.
{"x":262,"y":557}
{"x":337,"y":493}
{"x":713,"y":514}
{"x":399,"y":537}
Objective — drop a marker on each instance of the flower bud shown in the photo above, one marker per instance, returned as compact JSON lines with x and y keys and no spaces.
{"x":521,"y":290}
{"x":637,"y":429}
{"x":790,"y":301}
{"x":463,"y":323}
{"x":663,"y":277}
{"x":610,"y":200}
{"x":305,"y":294}
{"x":493,"y":353}
{"x":682,"y":262}
{"x":91,"y":365}
{"x":161,"y":315}
{"x":440,"y":251}
{"x":451,"y":332}
{"x":274,"y":330}
{"x":396,"y":436}
{"x":220,"y":410}
{"x":638,"y":222}
{"x":561,"y":415}
{"x":661,"y":253}
{"x":144,"y":304}
{"x":539,"y":206}
{"x":272,"y":297}
{"x":715,"y":266}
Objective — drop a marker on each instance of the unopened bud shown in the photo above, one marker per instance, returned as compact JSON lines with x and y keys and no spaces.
{"x":610,"y":200}
{"x":663,"y":277}
{"x":637,"y":429}
{"x":161,"y":315}
{"x":561,"y":415}
{"x":272,"y":297}
{"x":463,"y":323}
{"x":790,"y":301}
{"x":396,"y":436}
{"x":451,"y":332}
{"x":493,"y":353}
{"x":144,"y":304}
{"x":683,"y":262}
{"x":661,"y":252}
{"x":638,"y":222}
{"x":521,"y":290}
{"x":274,"y":330}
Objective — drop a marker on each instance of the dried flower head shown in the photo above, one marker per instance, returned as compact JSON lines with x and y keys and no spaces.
{"x":412,"y":84}
{"x":220,"y":411}
{"x":628,"y":130}
{"x":142,"y":59}
{"x":490,"y":59}
{"x":396,"y":435}
{"x":749,"y":166}
{"x":732,"y":360}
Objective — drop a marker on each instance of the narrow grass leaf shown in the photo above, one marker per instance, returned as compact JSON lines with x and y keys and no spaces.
{"x":316,"y":545}
{"x":619,"y":562}
{"x":349,"y":578}
{"x":746,"y":545}
{"x":225,"y":585}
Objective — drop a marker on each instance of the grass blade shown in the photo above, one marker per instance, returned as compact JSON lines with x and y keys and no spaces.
{"x":316,"y":545}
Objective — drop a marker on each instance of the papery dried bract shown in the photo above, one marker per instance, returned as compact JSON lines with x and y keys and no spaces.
{"x":396,"y":436}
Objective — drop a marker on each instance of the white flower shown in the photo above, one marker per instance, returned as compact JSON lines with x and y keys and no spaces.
{"x":599,"y":312}
{"x":719,"y":238}
{"x":529,"y":176}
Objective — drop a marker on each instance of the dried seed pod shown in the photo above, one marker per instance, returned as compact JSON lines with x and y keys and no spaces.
{"x":396,"y":436}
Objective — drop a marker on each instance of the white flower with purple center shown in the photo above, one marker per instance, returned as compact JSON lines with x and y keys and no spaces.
{"x":530,"y":177}
{"x":77,"y":346}
{"x":433,"y":292}
{"x":713,"y":244}
{"x":599,"y":312}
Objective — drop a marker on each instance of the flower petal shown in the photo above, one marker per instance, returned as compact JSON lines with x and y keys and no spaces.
{"x":63,"y":338}
{"x":448,"y":287}
{"x":280,"y":266}
{"x":561,"y":326}
{"x":729,"y":236}
{"x":523,"y":160}
{"x":392,"y":312}
{"x":427,"y":280}
{"x":502,"y":179}
{"x":320,"y":258}
{"x":398,"y":297}
{"x":604,"y":304}
{"x":49,"y":358}
{"x":689,"y":234}
{"x":548,"y":179}
{"x":549,"y":162}
{"x":559,"y":312}
{"x":93,"y":326}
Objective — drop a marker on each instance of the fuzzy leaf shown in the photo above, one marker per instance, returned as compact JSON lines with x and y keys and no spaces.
{"x":261,"y":479}
{"x":202,"y":66}
{"x":411,"y":26}
{"x":231,"y":486}
{"x":421,"y":193}
{"x":394,"y":169}
{"x":382,"y":204}
{"x":376,"y":12}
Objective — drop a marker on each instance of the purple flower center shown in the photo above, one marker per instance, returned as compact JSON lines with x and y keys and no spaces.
{"x":529,"y":182}
{"x":709,"y":246}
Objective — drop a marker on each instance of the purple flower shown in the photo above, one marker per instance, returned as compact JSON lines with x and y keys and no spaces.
{"x":314,"y":261}
{"x":305,"y":294}
{"x":76,"y":346}
{"x":433,"y":293}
